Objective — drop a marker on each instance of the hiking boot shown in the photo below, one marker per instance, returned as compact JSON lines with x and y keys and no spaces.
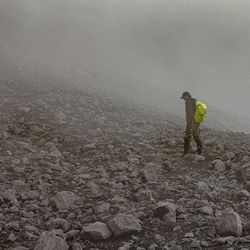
{"x":199,"y":146}
{"x":186,"y":146}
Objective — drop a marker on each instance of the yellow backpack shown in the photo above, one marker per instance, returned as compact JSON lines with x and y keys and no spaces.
{"x":201,"y":111}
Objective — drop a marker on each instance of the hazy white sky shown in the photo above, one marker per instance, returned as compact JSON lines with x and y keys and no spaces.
{"x":167,"y":46}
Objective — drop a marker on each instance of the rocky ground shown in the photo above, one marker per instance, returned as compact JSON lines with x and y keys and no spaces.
{"x":88,"y":171}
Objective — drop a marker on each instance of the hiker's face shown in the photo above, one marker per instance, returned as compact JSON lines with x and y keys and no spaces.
{"x":185,"y":98}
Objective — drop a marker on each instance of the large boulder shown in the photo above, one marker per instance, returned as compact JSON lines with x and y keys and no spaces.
{"x":123,"y":224}
{"x":50,"y":241}
{"x":230,"y":224}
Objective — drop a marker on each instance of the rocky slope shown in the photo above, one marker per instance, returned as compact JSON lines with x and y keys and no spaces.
{"x":89,"y":171}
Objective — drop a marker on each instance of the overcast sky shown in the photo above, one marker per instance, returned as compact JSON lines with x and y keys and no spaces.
{"x":158,"y":46}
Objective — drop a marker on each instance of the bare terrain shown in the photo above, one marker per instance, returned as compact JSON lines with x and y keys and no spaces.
{"x":81,"y":169}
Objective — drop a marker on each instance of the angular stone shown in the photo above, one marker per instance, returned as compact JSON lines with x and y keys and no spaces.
{"x":64,"y":200}
{"x":144,"y":195}
{"x":230,"y":155}
{"x":59,"y":223}
{"x":77,"y":246}
{"x":98,"y":231}
{"x":102,"y":208}
{"x":230,"y":224}
{"x":10,"y":196}
{"x":90,"y":146}
{"x":166,"y":210}
{"x":32,"y":195}
{"x":199,"y":158}
{"x":247,"y":226}
{"x":20,"y":248}
{"x":219,"y":165}
{"x":152,"y":172}
{"x":13,"y":226}
{"x":12,"y":237}
{"x":203,"y":186}
{"x":71,"y":234}
{"x":123,"y":224}
{"x":207,"y":210}
{"x":243,"y":194}
{"x":50,"y":241}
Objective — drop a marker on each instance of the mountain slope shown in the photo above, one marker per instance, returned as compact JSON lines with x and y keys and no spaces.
{"x":70,"y":159}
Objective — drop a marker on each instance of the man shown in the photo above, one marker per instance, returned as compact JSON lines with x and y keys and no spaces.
{"x":192,"y":127}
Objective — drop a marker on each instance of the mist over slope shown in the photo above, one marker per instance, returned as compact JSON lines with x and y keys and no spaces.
{"x":149,"y":51}
{"x":164,"y":101}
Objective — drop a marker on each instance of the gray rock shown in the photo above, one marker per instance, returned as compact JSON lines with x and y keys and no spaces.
{"x":189,"y":157}
{"x":50,"y":241}
{"x":98,"y":231}
{"x":230,"y":224}
{"x":10,"y":196}
{"x":230,"y":155}
{"x":102,"y":208}
{"x":203,"y":186}
{"x":144,"y":195}
{"x":32,"y":229}
{"x":123,"y":224}
{"x":167,"y":165}
{"x":120,"y":165}
{"x":13,"y":226}
{"x":125,"y":246}
{"x":77,"y":246}
{"x":195,"y":244}
{"x":227,"y":240}
{"x":243,"y":194}
{"x":152,"y":172}
{"x":245,"y":159}
{"x":189,"y":235}
{"x":207,"y":210}
{"x":199,"y":158}
{"x":64,"y":200}
{"x":32,"y":195}
{"x":152,"y":247}
{"x":247,"y":226}
{"x":204,"y":243}
{"x":71,"y":234}
{"x":91,"y":146}
{"x":20,"y":248}
{"x":12,"y":237}
{"x":166,"y":210}
{"x":219,"y":165}
{"x":59,"y":223}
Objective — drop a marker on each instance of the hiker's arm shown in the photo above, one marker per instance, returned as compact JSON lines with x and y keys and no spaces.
{"x":190,"y":111}
{"x":189,"y":122}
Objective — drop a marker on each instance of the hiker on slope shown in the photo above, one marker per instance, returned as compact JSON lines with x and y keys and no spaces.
{"x":193,"y":122}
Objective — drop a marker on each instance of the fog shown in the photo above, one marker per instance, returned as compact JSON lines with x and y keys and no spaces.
{"x":150,"y":50}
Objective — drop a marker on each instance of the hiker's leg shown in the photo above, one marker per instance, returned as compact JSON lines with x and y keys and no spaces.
{"x":187,"y":138}
{"x":196,"y":135}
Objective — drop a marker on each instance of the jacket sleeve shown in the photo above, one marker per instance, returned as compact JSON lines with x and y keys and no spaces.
{"x":190,"y":112}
